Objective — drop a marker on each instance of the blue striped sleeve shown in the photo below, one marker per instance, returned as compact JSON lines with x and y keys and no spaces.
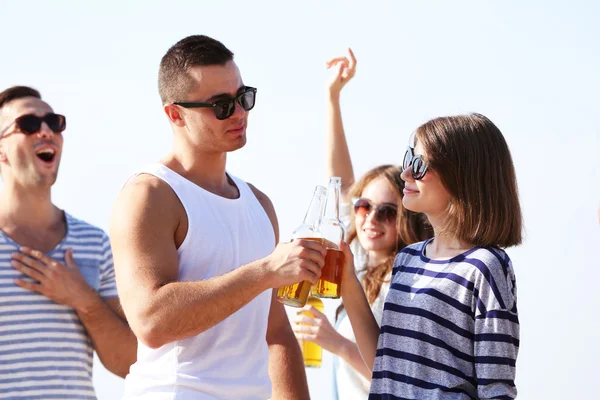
{"x":108,"y":285}
{"x":496,"y":345}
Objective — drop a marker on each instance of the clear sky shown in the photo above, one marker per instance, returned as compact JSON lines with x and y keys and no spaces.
{"x":532,"y":68}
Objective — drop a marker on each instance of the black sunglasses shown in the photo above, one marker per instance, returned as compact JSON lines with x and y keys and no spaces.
{"x":419,"y":167}
{"x":29,"y":124}
{"x":225,"y":108}
{"x":383,"y":213}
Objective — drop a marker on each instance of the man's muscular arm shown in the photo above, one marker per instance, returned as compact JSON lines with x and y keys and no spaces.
{"x":160,"y":309}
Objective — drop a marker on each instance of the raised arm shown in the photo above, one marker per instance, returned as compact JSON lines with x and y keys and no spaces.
{"x":160,"y":309}
{"x":338,"y":156}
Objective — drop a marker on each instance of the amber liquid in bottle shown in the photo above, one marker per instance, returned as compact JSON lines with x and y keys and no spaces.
{"x":332,"y":230}
{"x":312,"y":352}
{"x":296,"y":295}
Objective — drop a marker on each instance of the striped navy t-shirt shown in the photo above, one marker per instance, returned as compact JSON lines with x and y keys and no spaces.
{"x":450,"y":328}
{"x":45,"y":352}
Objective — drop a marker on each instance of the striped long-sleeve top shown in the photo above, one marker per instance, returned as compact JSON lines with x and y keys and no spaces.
{"x":45,"y":352}
{"x":450,"y":328}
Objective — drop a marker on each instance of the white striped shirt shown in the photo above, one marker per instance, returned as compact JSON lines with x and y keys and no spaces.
{"x":450,"y":328}
{"x":45,"y":352}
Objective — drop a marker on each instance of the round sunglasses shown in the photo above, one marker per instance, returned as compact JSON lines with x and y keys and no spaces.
{"x":29,"y":124}
{"x":419,"y":167}
{"x":383,"y":212}
{"x":224,"y":108}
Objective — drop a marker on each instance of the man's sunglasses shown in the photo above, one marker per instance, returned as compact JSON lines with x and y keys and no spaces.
{"x":419,"y":167}
{"x":383,"y":213}
{"x":29,"y":124}
{"x":225,"y":108}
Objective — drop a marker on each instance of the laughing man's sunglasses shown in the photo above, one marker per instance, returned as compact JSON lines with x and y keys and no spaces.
{"x":419,"y":167}
{"x":383,"y":212}
{"x":29,"y":124}
{"x":225,"y":108}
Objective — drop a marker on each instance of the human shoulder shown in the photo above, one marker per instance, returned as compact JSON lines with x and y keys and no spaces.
{"x":490,"y":260}
{"x":494,"y":277}
{"x":146,"y":186}
{"x":262,"y":198}
{"x":267,"y":205}
{"x":410,"y":251}
{"x":144,"y":203}
{"x":145,"y":191}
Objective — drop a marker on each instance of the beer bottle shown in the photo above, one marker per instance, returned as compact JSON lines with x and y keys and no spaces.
{"x":312,"y":352}
{"x":332,"y":230}
{"x":297,"y":294}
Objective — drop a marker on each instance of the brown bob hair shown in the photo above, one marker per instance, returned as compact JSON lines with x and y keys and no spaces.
{"x":472,"y":159}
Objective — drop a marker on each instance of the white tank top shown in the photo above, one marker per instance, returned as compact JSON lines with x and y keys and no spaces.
{"x":229,"y":360}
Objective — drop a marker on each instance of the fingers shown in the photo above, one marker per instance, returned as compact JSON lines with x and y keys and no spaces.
{"x":306,"y":329}
{"x":29,"y":262}
{"x":337,"y":60}
{"x":352,"y":63}
{"x":28,"y":271}
{"x":69,"y":260}
{"x":302,"y":318}
{"x":313,"y":245}
{"x":305,"y":337}
{"x":38,"y":255}
{"x":315,"y":313}
{"x":348,"y":256}
{"x":311,"y":263}
{"x":310,"y":272}
{"x":32,"y":286}
{"x":312,"y":255}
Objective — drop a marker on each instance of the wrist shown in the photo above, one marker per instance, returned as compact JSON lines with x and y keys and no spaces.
{"x":343,"y":350}
{"x":88,"y":304}
{"x":333,"y":95}
{"x":261,"y":272}
{"x":351,"y":286}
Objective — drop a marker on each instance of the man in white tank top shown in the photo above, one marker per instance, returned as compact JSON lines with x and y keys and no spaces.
{"x":195,"y":250}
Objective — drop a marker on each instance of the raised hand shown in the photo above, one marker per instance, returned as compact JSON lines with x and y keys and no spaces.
{"x":62,"y":283}
{"x":344,"y":69}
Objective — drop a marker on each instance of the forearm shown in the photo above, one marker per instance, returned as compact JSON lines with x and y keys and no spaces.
{"x":338,"y":162}
{"x":113,"y":340}
{"x":180,"y":310}
{"x":364,"y":325}
{"x":286,"y":369}
{"x":349,"y":352}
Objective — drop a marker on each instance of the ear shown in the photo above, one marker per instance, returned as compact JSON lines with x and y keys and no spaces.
{"x":174,"y":114}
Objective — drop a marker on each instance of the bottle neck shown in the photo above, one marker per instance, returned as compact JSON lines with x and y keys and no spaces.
{"x":332,"y":203}
{"x":314,"y":211}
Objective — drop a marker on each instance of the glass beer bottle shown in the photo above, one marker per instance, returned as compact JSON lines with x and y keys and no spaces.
{"x":332,"y":230}
{"x":297,"y":294}
{"x":312,"y":352}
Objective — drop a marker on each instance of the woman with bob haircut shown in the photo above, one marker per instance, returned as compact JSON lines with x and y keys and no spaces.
{"x":378,"y":227}
{"x":450,"y":328}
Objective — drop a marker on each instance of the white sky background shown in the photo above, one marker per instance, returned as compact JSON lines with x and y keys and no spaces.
{"x":533,"y":69}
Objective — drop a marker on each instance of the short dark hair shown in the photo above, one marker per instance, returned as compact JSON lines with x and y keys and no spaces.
{"x":174,"y":80}
{"x":17,"y":92}
{"x":473,"y":161}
